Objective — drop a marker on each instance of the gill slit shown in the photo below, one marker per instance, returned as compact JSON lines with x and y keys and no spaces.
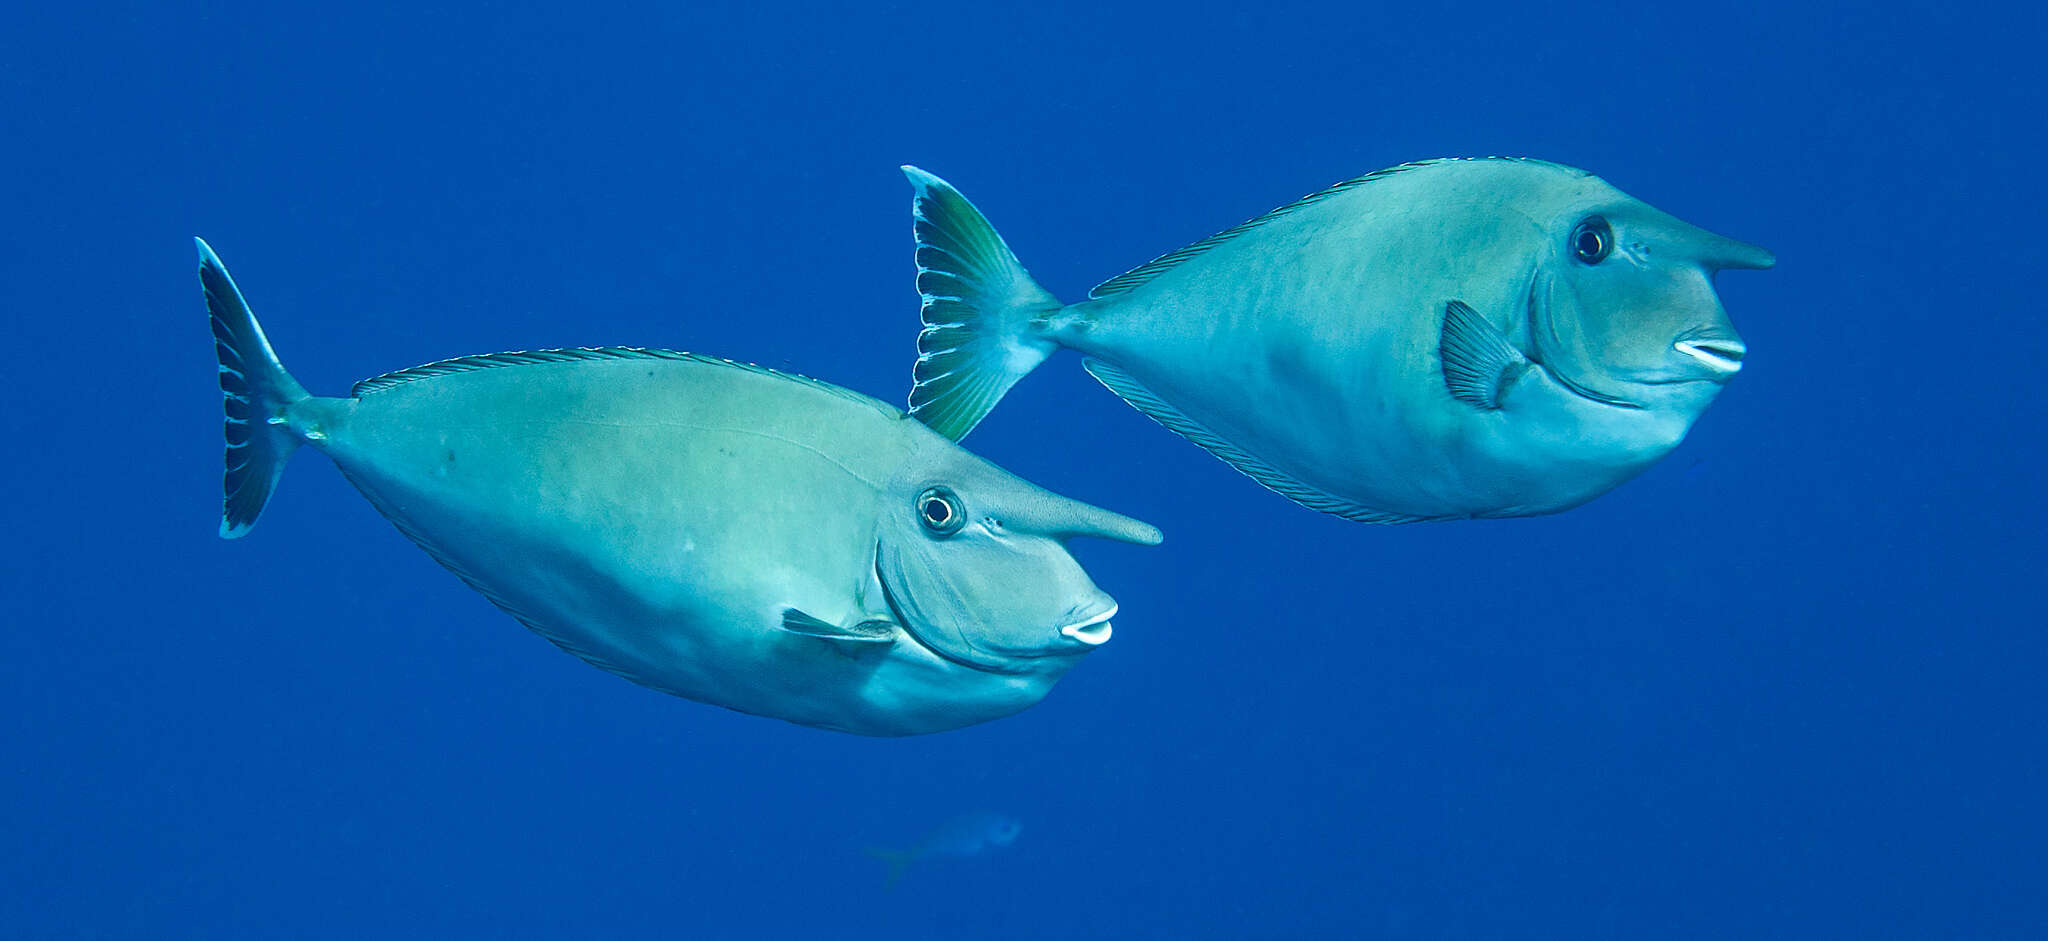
{"x":896,"y":611}
{"x":1541,"y":326}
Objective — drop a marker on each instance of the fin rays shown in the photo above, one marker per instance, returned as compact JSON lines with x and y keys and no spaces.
{"x":462,"y":364}
{"x":1136,"y":277}
{"x":1478,"y":362}
{"x":253,"y":384}
{"x":1155,"y":408}
{"x":433,"y":551}
{"x":983,"y":314}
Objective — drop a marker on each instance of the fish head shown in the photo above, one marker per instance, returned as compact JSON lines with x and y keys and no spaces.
{"x":1003,"y":831}
{"x":994,"y":831}
{"x":975,"y":832}
{"x":975,"y":565}
{"x":1621,"y":305}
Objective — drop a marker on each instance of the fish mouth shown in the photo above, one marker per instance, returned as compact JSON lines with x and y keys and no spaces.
{"x":1093,"y":632}
{"x":1719,"y":357}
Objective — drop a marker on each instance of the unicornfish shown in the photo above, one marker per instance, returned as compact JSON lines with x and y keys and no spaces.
{"x":719,"y":531}
{"x":1448,"y":339}
{"x":967,"y":835}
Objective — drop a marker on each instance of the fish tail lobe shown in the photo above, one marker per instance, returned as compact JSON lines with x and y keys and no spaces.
{"x":987,"y":324}
{"x":896,"y":860}
{"x":256,"y":393}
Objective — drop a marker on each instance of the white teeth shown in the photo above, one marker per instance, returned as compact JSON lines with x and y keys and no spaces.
{"x":1720,"y":357}
{"x":1093,"y":632}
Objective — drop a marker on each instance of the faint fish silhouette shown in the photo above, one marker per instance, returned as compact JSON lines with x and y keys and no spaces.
{"x":967,"y":835}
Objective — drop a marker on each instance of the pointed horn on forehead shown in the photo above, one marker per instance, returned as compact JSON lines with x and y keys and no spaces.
{"x":1073,"y":518}
{"x":1721,"y":253}
{"x":1728,"y":253}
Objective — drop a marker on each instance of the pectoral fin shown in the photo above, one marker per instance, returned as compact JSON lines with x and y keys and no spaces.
{"x":1479,"y":362}
{"x":870,"y":633}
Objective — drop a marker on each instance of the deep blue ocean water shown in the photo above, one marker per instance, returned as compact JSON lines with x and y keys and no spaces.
{"x":1787,"y":684}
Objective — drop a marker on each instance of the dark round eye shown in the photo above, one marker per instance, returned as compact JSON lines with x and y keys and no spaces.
{"x":1592,"y":240}
{"x":939,"y":510}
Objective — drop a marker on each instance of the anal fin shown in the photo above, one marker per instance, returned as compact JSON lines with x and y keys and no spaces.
{"x":1157,"y":409}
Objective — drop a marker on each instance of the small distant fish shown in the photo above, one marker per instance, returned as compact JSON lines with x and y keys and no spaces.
{"x":966,"y":835}
{"x":1447,"y":339}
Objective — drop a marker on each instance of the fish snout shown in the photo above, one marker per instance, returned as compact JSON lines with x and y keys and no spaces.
{"x":1711,"y":356}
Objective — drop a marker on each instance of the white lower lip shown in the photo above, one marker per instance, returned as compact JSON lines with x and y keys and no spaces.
{"x":1708,"y":357}
{"x":1094,"y":632}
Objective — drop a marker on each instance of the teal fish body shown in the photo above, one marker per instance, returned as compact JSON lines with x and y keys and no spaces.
{"x":1443,"y":340}
{"x":717,"y":531}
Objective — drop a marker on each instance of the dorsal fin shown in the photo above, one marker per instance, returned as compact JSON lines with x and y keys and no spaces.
{"x":1135,"y":277}
{"x":462,"y":364}
{"x":1131,"y":279}
{"x":1155,"y":408}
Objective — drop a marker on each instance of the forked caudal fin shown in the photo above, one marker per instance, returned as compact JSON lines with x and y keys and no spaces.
{"x":255,"y":391}
{"x":985,"y":320}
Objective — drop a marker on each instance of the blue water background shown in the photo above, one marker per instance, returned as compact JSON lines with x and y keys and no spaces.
{"x":1787,"y":684}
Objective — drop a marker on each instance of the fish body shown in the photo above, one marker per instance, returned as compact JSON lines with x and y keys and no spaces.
{"x":970,"y":834}
{"x":1442,"y":340}
{"x":717,"y":531}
